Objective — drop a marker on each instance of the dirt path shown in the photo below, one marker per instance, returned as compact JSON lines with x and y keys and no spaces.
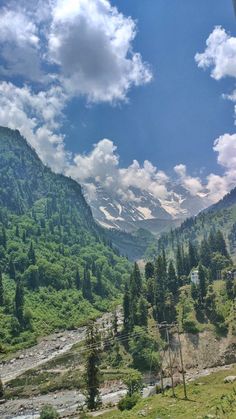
{"x":47,"y":349}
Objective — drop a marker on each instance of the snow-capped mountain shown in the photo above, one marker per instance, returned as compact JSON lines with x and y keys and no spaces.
{"x":144,"y":210}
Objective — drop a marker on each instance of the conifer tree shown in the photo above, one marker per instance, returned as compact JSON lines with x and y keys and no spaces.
{"x":172,"y":281}
{"x":179,"y":262}
{"x":92,"y":367}
{"x":77,"y":279}
{"x":1,"y":389}
{"x":192,"y":255}
{"x":1,"y":290}
{"x":205,"y":253}
{"x":142,"y":312}
{"x":220,"y":244}
{"x":31,"y":254}
{"x":19,"y":301}
{"x":11,"y":270}
{"x":202,"y":283}
{"x":87,"y":287}
{"x":126,"y":309}
{"x":3,"y":238}
{"x":149,"y":270}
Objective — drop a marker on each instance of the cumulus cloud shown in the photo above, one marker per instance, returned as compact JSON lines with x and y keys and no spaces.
{"x":19,"y":45}
{"x":36,"y":115}
{"x":192,"y":184}
{"x":219,"y":55}
{"x":102,"y":165}
{"x":91,"y":42}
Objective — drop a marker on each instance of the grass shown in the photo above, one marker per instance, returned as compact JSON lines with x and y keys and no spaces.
{"x":209,"y":397}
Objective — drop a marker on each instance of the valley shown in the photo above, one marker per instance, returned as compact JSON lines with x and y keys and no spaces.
{"x":77,"y":315}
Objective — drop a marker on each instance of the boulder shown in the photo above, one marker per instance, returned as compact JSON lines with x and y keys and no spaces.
{"x":230,"y":379}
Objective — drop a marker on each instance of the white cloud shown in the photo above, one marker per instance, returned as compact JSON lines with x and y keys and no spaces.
{"x":19,"y":45}
{"x":192,"y":184}
{"x":219,"y":55}
{"x":35,"y":115}
{"x":91,"y":42}
{"x":225,"y":145}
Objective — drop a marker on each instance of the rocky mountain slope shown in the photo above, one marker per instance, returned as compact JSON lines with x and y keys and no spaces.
{"x":144,"y":210}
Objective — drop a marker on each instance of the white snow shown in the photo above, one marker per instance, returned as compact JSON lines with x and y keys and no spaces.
{"x":146,"y":212}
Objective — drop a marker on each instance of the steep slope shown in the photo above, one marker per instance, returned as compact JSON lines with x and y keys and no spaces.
{"x":221,"y":215}
{"x":143,"y":210}
{"x":58,"y":269}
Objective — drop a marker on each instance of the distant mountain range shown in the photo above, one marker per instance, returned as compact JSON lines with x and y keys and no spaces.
{"x":144,"y":210}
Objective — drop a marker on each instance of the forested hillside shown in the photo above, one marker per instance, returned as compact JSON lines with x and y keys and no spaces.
{"x":57,"y":268}
{"x":221,"y":216}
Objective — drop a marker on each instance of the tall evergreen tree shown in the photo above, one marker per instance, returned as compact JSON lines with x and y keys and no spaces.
{"x":3,"y":238}
{"x":220,"y":244}
{"x":77,"y":279}
{"x":87,"y":287}
{"x":172,"y":281}
{"x":126,"y":309}
{"x":202,"y":283}
{"x":205,"y":253}
{"x":1,"y":290}
{"x":31,"y":254}
{"x":179,"y":262}
{"x":11,"y":268}
{"x":92,"y":367}
{"x":19,"y":301}
{"x":142,"y":312}
{"x":192,"y":255}
{"x":149,"y":270}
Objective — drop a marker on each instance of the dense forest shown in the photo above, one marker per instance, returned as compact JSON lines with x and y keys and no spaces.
{"x":57,"y":266}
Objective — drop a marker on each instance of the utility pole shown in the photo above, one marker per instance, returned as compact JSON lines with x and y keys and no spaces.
{"x":170,"y":361}
{"x":182,"y":363}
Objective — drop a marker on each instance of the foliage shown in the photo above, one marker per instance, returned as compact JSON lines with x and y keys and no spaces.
{"x":54,"y":259}
{"x":128,"y":402}
{"x":134,"y":382}
{"x":48,"y":412}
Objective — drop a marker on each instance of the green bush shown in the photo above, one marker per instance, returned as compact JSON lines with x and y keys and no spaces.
{"x":48,"y":412}
{"x":128,"y":402}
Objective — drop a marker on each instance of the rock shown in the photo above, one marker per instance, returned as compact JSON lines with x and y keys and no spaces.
{"x":230,"y":379}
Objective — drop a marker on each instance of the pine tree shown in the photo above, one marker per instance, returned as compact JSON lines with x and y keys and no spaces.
{"x":3,"y":238}
{"x":19,"y":301}
{"x":220,"y":244}
{"x":31,"y":254}
{"x":11,"y":269}
{"x":136,"y":281}
{"x":1,"y":389}
{"x":172,"y":281}
{"x":77,"y":279}
{"x":87,"y":287}
{"x":17,"y":231}
{"x":142,"y":312}
{"x":126,"y":309}
{"x":179,"y":262}
{"x":115,"y":323}
{"x":205,"y":253}
{"x":92,"y":367}
{"x":202,"y":283}
{"x":192,"y":256}
{"x":149,"y":270}
{"x":1,"y":290}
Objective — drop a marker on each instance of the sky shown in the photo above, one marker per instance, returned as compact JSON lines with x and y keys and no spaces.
{"x":131,"y":93}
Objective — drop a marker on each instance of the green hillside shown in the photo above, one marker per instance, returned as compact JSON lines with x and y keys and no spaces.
{"x":221,"y":216}
{"x":57,"y":268}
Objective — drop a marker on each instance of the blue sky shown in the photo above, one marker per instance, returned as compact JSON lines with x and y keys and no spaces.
{"x":181,"y":112}
{"x":127,"y":93}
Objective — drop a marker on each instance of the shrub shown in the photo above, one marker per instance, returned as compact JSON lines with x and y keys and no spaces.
{"x":48,"y":412}
{"x":128,"y":402}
